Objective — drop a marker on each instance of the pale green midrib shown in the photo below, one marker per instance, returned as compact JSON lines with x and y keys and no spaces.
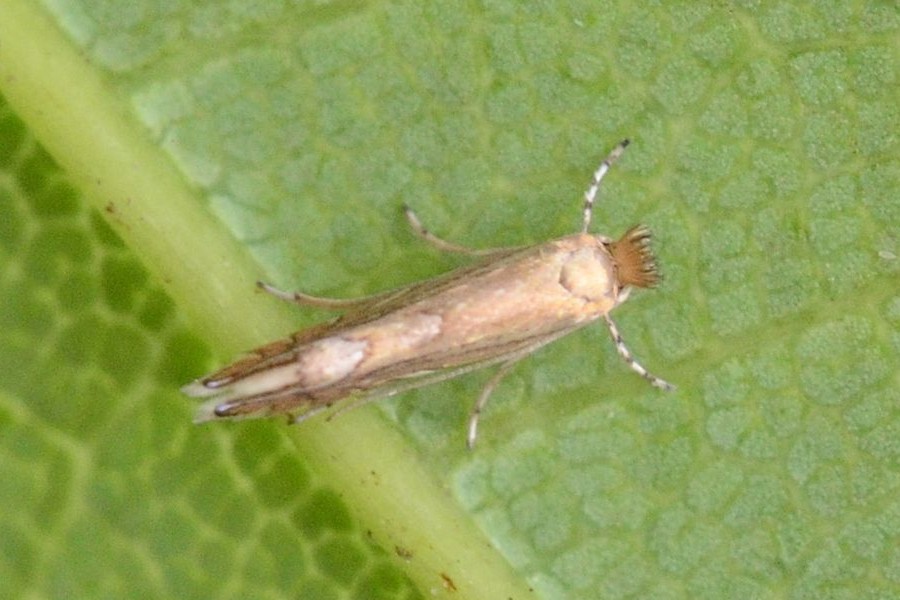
{"x":84,"y":125}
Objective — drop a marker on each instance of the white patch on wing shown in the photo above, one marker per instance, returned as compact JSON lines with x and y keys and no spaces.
{"x":326,"y":361}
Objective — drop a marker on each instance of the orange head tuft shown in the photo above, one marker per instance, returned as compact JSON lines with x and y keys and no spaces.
{"x":634,"y":258}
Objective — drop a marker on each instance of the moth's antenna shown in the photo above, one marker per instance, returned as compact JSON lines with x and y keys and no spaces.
{"x":591,"y":194}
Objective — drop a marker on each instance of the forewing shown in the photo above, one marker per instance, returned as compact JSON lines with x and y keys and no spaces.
{"x":370,"y":309}
{"x":301,"y":403}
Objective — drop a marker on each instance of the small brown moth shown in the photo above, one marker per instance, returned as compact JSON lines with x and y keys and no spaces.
{"x":496,"y":311}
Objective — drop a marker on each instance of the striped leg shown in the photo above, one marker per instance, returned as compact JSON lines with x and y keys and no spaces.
{"x":483,"y":398}
{"x":626,"y":355}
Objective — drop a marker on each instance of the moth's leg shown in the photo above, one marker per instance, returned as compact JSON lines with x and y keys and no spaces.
{"x":318,"y":301}
{"x":387,"y":391}
{"x":299,"y":417}
{"x":420,"y":230}
{"x":626,"y":355}
{"x":484,"y":397}
{"x":591,"y":194}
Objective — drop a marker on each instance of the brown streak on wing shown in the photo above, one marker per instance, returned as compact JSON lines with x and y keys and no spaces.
{"x":273,"y":354}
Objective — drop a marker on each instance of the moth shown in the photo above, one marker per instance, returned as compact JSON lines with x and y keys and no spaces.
{"x":503,"y":307}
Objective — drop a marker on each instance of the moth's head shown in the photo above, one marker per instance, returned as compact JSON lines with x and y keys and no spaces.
{"x":634,"y":260}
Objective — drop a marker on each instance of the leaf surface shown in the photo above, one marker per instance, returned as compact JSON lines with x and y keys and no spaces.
{"x":204,"y":145}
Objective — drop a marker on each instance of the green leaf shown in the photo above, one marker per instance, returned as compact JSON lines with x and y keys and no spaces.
{"x":226,"y":142}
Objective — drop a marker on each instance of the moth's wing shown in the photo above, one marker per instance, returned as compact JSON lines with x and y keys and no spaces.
{"x":256,"y":360}
{"x":379,"y":305}
{"x":369,"y":309}
{"x":295,"y":401}
{"x":301,"y":403}
{"x":426,"y":378}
